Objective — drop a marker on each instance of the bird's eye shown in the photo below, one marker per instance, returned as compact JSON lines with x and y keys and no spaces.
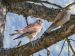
{"x":39,"y":20}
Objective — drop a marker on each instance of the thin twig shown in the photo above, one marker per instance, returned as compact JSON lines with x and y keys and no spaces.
{"x":72,"y":40}
{"x":48,"y":3}
{"x":19,"y":43}
{"x":26,"y":20}
{"x":52,"y":4}
{"x":62,"y":48}
{"x":56,"y":4}
{"x":70,"y":5}
{"x":70,"y":46}
{"x":68,"y":50}
{"x":43,"y":4}
{"x":25,"y":16}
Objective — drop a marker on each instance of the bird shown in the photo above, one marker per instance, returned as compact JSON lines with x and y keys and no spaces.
{"x":31,"y":30}
{"x":62,"y":17}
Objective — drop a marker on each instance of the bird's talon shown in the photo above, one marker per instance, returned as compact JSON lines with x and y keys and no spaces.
{"x":33,"y":44}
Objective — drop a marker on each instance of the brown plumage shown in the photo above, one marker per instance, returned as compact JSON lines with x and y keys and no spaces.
{"x":61,"y":18}
{"x":31,"y":30}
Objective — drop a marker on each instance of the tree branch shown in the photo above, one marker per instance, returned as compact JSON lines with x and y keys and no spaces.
{"x":48,"y":3}
{"x":70,"y":5}
{"x":70,"y":46}
{"x":28,"y":9}
{"x":37,"y":1}
{"x":46,"y":41}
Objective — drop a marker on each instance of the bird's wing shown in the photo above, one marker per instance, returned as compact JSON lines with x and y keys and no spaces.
{"x":59,"y":20}
{"x":26,"y":29}
{"x":59,"y":16}
{"x":24,"y":34}
{"x":65,"y":19}
{"x":31,"y":27}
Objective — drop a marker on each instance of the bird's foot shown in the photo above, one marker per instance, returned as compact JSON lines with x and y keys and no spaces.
{"x":35,"y":42}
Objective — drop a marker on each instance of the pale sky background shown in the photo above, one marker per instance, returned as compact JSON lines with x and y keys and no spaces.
{"x":14,"y":21}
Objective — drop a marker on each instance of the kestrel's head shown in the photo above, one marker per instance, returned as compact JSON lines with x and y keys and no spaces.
{"x":39,"y":21}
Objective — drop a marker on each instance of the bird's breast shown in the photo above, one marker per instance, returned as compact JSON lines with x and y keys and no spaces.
{"x":37,"y":27}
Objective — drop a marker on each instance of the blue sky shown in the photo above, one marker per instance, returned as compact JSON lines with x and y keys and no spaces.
{"x":14,"y":21}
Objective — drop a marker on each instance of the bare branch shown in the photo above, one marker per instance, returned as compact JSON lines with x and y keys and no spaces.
{"x":72,"y":40}
{"x":62,"y":48}
{"x":70,"y":46}
{"x":70,"y":5}
{"x":37,"y":1}
{"x":49,"y":3}
{"x":28,"y":9}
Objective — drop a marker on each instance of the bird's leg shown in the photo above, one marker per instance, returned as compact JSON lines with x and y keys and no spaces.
{"x":32,"y":43}
{"x":38,"y":37}
{"x":35,"y":42}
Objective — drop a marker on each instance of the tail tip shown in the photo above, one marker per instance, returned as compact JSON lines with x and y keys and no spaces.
{"x":11,"y":34}
{"x":16,"y":30}
{"x":14,"y":38}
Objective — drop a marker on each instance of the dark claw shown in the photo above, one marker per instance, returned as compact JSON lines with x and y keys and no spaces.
{"x":35,"y":42}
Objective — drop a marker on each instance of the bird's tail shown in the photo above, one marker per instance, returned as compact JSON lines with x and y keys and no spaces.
{"x":51,"y":28}
{"x":15,"y":33}
{"x":22,"y":35}
{"x":16,"y":38}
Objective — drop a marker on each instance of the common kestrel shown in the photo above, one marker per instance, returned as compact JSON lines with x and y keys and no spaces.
{"x":61,"y":18}
{"x":30,"y":30}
